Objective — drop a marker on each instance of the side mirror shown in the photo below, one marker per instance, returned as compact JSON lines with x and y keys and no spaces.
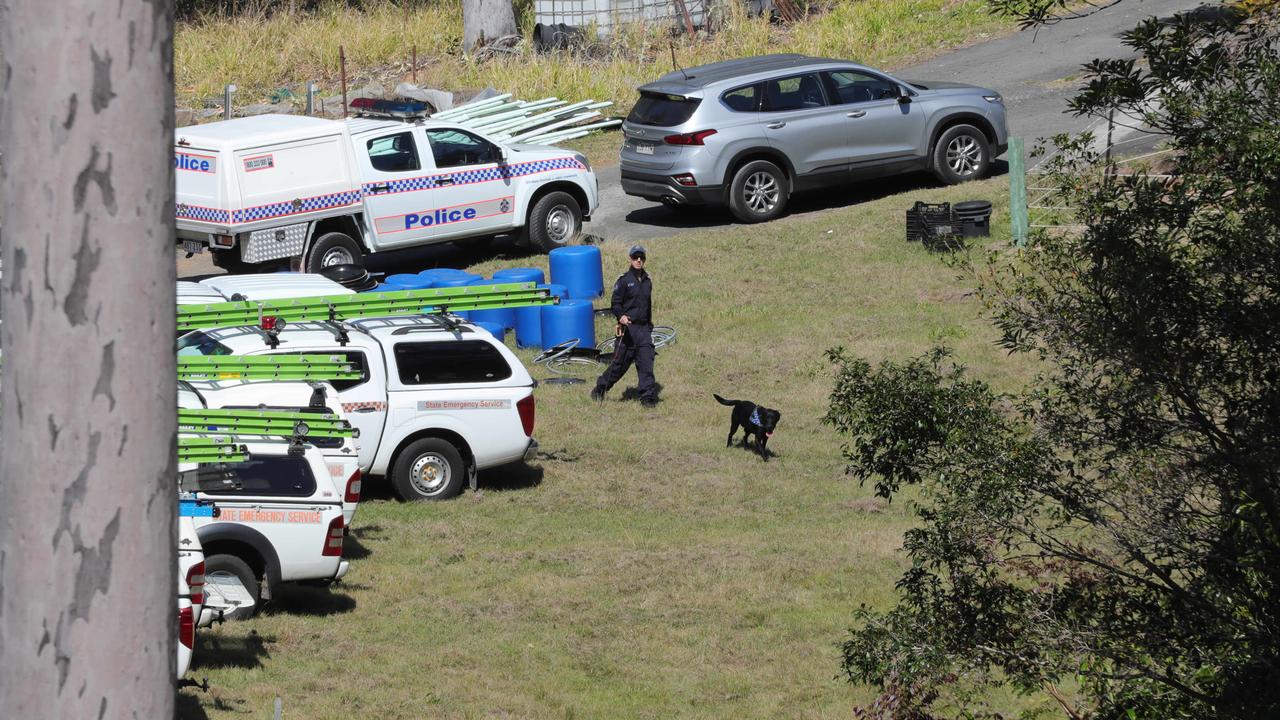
{"x":503,"y":152}
{"x":903,"y":96}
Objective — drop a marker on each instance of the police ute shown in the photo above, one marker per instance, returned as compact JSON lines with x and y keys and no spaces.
{"x":315,"y":193}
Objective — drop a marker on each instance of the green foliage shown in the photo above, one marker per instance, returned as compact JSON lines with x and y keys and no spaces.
{"x":1117,"y":528}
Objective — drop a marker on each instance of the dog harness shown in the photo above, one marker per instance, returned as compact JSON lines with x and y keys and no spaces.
{"x":755,"y":416}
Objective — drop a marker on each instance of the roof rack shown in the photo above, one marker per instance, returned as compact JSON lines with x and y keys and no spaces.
{"x":267,"y":367}
{"x":332,"y":308}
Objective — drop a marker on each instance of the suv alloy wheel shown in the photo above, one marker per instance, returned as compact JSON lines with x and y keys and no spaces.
{"x":758,"y":192}
{"x":961,"y":154}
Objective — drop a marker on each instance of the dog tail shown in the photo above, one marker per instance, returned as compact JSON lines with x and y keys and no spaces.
{"x":722,"y":400}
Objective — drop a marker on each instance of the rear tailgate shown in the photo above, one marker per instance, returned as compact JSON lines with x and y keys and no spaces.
{"x":655,"y":116}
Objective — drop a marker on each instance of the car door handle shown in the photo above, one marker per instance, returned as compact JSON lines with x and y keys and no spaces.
{"x":776,"y":125}
{"x":444,"y":181}
{"x":366,"y":410}
{"x":381,"y":187}
{"x":856,"y":114}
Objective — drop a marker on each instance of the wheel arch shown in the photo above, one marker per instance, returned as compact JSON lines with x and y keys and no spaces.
{"x":751,"y":154}
{"x":452,"y":437}
{"x":347,"y":224}
{"x":962,"y":118}
{"x":574,"y":189}
{"x":247,"y":544}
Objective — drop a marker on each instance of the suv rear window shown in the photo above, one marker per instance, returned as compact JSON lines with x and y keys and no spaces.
{"x":662,"y":110}
{"x":279,"y":476}
{"x":440,"y":363}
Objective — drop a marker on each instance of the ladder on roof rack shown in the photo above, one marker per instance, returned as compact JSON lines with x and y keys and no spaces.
{"x":282,"y":423}
{"x":267,"y":367}
{"x":347,"y":307}
{"x":207,"y":450}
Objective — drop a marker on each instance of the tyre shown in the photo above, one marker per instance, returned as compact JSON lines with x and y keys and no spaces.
{"x":231,"y":584}
{"x":230,"y":261}
{"x":961,"y":154}
{"x":429,"y":469}
{"x":333,"y":248}
{"x":758,"y":192}
{"x":554,"y":222}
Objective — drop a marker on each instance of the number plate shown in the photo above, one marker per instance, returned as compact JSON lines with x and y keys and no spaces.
{"x":644,"y":148}
{"x":192,"y":246}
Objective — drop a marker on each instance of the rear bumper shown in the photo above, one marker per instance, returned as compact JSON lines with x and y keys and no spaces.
{"x":343,"y":567}
{"x":664,"y":189}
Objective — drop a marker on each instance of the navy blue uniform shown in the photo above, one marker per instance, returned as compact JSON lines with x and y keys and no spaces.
{"x":632,"y":296}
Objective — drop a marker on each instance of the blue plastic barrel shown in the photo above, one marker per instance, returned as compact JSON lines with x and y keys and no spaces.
{"x":506,"y":317}
{"x":568,"y":320}
{"x":529,"y":319}
{"x":435,"y":275}
{"x":533,"y":275}
{"x":578,"y":268}
{"x":457,"y":278}
{"x":493,"y":329}
{"x":407,"y":281}
{"x":383,"y":287}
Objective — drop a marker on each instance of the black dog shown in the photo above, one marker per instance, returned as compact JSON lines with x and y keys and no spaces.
{"x":755,"y":420}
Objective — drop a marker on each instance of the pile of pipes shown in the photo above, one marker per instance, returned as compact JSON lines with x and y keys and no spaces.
{"x":538,"y":122}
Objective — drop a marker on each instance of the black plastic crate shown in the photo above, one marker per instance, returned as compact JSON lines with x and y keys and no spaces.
{"x":926,"y":221}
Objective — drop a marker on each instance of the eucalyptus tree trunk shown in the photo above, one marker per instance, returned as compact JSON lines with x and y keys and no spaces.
{"x":484,"y":21}
{"x":88,"y":606}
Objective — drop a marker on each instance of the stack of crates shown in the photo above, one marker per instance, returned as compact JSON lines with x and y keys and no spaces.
{"x":934,"y":226}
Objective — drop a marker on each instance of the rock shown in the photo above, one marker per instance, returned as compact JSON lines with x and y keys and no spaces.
{"x":372,"y":90}
{"x":209,"y":112}
{"x":183,"y":117}
{"x":439,"y":100}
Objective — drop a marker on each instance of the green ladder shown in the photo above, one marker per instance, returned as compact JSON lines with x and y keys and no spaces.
{"x":349,"y":307}
{"x":296,"y":368}
{"x":208,"y":450}
{"x":280,"y":423}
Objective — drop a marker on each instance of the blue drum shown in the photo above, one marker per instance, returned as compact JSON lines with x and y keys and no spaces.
{"x":568,"y":320}
{"x":578,"y":268}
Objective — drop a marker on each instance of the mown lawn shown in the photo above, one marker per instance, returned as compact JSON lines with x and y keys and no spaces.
{"x":639,"y":569}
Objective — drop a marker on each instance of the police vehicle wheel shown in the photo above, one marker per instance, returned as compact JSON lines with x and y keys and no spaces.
{"x":429,"y":469}
{"x":961,"y":154}
{"x":758,"y":192}
{"x":331,"y":249}
{"x":554,"y":221}
{"x":228,"y":570}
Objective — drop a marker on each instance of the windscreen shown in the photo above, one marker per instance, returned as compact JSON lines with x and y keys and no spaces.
{"x":662,"y":110}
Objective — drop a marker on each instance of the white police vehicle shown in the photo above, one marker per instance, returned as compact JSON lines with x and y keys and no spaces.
{"x":439,"y":399}
{"x":326,"y":192}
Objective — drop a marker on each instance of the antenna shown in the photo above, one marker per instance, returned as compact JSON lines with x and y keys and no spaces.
{"x":675,"y":64}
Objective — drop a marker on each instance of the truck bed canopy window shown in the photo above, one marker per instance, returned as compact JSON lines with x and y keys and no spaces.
{"x":394,"y":153}
{"x":278,"y":476}
{"x":441,"y":363}
{"x":197,"y":343}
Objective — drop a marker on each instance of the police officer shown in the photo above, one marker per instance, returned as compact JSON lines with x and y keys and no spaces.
{"x":632,"y":306}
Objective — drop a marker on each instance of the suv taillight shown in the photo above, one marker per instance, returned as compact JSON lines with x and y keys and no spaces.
{"x":195,"y":583}
{"x":353,"y":488}
{"x":187,"y":627}
{"x":693,"y":138}
{"x":525,"y":407}
{"x":333,"y":539}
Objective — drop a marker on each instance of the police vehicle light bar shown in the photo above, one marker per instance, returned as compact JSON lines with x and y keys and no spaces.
{"x":403,"y":109}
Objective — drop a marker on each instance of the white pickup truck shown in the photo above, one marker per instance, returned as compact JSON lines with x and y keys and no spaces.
{"x":438,"y":400}
{"x":318,"y":192}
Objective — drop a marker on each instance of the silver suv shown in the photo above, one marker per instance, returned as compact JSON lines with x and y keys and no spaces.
{"x":747,"y":133}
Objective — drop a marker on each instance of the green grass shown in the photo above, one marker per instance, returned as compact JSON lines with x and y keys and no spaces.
{"x":639,"y":569}
{"x":263,"y":52}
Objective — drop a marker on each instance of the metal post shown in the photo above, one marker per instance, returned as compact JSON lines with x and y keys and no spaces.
{"x":1018,"y":191}
{"x":227,"y":92}
{"x":342,"y":67}
{"x":413,"y":65}
{"x":311,"y":98}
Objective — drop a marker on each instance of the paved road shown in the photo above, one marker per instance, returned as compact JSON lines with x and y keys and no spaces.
{"x":1036,"y":71}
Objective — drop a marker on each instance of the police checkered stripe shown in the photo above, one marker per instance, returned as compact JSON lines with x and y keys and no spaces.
{"x":195,"y":212}
{"x":467,"y":177}
{"x":311,"y":204}
{"x":354,"y":406}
